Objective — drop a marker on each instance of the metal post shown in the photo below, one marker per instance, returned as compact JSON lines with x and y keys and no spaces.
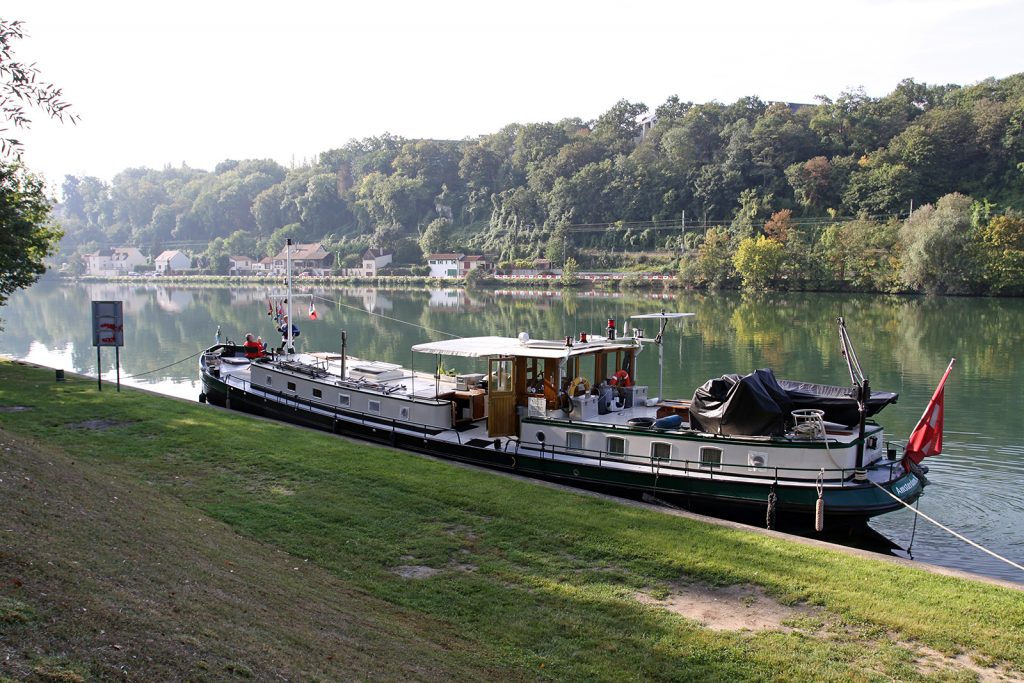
{"x":99,"y":371}
{"x":344,"y":346}
{"x":117,"y":362}
{"x":682,"y":233}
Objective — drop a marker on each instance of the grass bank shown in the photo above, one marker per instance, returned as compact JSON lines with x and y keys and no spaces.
{"x":147,"y":538}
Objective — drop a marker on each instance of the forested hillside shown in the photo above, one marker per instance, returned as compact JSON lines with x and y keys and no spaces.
{"x":850,"y":165}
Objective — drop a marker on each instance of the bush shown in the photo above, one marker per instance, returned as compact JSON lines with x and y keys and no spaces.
{"x":758,"y":261}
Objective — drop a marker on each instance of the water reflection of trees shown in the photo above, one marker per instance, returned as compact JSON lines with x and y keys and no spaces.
{"x":904,"y":343}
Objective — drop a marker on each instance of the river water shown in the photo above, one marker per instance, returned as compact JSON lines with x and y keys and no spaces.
{"x":904,"y":345}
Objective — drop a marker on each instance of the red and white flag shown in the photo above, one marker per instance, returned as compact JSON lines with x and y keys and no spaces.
{"x":926,"y":439}
{"x":312,"y":311}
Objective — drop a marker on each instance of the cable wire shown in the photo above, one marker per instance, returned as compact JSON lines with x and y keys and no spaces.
{"x":948,"y":530}
{"x":385,"y":317}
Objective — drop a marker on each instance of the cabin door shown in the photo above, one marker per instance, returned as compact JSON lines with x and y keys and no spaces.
{"x":501,"y":400}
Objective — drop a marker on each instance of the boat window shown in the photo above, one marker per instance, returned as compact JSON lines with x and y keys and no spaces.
{"x":343,"y":400}
{"x":615,"y":445}
{"x":710,"y":457}
{"x":317,"y":393}
{"x":270,"y":380}
{"x":661,"y":451}
{"x":374,"y":406}
{"x":757,"y":460}
{"x":291,"y":386}
{"x":574,"y":441}
{"x":403,"y":412}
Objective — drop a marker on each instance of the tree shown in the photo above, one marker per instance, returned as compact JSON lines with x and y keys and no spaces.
{"x":1002,"y":241}
{"x":570,"y":273}
{"x":19,"y":86}
{"x":938,"y":257}
{"x":758,"y":260}
{"x":555,"y":251}
{"x":714,"y":263}
{"x":27,"y":235}
{"x":434,"y":239}
{"x":779,"y":226}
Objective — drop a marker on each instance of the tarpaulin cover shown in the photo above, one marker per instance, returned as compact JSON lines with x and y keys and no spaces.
{"x":750,"y":405}
{"x":839,"y":403}
{"x":760,"y":405}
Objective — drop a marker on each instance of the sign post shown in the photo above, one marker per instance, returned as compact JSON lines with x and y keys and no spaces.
{"x":107,"y":330}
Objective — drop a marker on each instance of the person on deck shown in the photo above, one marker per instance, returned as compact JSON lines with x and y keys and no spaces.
{"x":283,"y":329}
{"x":252,"y":347}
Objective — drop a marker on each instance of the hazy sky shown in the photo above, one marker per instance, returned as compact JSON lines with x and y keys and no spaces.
{"x":160,"y":83}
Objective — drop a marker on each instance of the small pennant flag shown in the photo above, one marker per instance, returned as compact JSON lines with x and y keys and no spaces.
{"x":312,"y":311}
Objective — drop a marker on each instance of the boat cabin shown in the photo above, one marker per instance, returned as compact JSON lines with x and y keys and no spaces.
{"x":537,"y":377}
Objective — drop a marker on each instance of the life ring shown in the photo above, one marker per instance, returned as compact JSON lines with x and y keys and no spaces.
{"x":640,"y":422}
{"x":622,"y":379}
{"x":576,"y":384}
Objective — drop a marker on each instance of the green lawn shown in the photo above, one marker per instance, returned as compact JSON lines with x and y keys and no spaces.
{"x":476,"y":572}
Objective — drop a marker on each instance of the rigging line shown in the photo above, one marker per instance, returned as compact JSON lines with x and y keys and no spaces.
{"x":947,"y":529}
{"x":386,"y":317}
{"x":150,"y":372}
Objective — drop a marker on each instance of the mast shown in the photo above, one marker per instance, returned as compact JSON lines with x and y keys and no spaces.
{"x":288,"y":303}
{"x":863,"y":387}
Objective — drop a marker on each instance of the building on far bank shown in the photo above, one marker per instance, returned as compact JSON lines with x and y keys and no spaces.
{"x":373,"y":261}
{"x":113,"y":261}
{"x":172,"y":261}
{"x":240,"y":265}
{"x":457,"y":265}
{"x":306,"y":258}
{"x":445,"y":265}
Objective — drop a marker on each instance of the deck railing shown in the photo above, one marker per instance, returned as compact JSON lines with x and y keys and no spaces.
{"x":833,"y":475}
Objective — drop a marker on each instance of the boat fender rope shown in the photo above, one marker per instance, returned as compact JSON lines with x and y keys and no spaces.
{"x":770,"y":516}
{"x":918,"y":471}
{"x":819,"y":507}
{"x":946,"y":528}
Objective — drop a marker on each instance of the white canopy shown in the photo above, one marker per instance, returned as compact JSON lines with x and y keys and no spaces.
{"x":661,"y":316}
{"x":483,"y":347}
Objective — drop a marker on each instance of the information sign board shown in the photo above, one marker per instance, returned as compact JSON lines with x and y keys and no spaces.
{"x":107,"y":323}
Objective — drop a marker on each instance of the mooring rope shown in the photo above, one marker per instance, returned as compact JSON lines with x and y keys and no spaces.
{"x":177,"y":362}
{"x":948,"y":530}
{"x":385,"y":317}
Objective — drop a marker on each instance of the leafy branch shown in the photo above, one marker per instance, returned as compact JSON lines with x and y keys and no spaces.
{"x":20,"y":88}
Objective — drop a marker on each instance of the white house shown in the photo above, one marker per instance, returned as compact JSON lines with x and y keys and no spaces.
{"x":240,"y":265}
{"x":445,"y":265}
{"x":172,"y":261}
{"x":112,"y":262}
{"x":457,"y":265}
{"x":263,"y":266}
{"x":374,"y":260}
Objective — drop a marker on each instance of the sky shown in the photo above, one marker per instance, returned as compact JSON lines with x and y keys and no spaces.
{"x":195,"y":83}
